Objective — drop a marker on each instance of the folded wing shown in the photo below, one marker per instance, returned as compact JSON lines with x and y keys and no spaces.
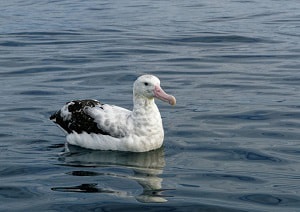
{"x":91,"y":116}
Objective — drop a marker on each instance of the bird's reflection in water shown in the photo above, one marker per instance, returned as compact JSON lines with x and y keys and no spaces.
{"x":146,"y":168}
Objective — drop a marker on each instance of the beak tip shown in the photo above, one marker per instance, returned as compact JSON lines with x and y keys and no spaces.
{"x":172,"y":101}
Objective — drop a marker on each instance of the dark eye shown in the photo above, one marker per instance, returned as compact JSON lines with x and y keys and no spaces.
{"x":146,"y":83}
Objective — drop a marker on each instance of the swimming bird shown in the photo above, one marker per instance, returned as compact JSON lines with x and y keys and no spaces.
{"x":94,"y":125}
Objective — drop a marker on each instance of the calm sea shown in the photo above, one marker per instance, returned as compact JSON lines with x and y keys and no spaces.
{"x":232,"y":143}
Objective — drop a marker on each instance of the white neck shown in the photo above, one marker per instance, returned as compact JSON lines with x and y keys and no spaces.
{"x":143,"y":105}
{"x":145,"y":113}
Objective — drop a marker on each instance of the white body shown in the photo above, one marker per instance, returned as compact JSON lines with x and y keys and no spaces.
{"x":139,"y":130}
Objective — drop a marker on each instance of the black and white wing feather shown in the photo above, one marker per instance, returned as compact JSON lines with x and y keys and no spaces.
{"x":91,"y":116}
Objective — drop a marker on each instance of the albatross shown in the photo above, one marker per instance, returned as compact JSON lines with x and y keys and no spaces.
{"x":94,"y":125}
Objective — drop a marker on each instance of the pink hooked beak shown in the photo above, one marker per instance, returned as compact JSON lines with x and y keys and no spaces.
{"x":160,"y":94}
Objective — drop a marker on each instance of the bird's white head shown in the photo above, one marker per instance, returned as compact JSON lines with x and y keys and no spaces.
{"x":148,"y":86}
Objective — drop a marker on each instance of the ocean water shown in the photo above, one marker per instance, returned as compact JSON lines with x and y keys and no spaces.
{"x":232,"y":142}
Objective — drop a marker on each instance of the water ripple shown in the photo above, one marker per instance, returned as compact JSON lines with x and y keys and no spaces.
{"x":231,"y":142}
{"x":268,"y":199}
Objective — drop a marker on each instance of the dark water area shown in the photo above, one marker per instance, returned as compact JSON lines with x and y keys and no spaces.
{"x":231,"y":142}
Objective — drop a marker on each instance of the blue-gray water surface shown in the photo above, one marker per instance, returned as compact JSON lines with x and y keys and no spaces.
{"x":232,"y":142}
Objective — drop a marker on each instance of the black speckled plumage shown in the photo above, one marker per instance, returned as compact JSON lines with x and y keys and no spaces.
{"x":80,"y":121}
